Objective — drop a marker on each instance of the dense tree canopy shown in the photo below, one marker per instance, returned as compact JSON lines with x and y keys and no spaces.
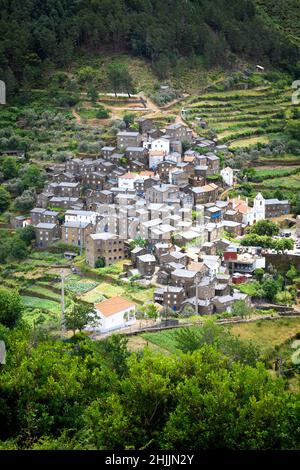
{"x":10,"y":307}
{"x":161,"y":31}
{"x":82,"y":394}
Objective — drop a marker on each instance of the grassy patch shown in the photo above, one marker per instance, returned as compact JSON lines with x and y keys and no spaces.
{"x":164,"y":339}
{"x":249,"y":288}
{"x":136,"y":343}
{"x":42,"y":304}
{"x":43,"y":291}
{"x":106,"y":289}
{"x":78,"y":285}
{"x":266,"y":333}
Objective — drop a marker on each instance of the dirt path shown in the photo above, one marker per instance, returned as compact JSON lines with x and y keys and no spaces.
{"x":76,"y":116}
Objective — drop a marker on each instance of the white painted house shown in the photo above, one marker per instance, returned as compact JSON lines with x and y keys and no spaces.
{"x":81,"y":216}
{"x":161,"y":143}
{"x":156,"y":157}
{"x":115,"y":313}
{"x":227,"y":175}
{"x":127,"y":180}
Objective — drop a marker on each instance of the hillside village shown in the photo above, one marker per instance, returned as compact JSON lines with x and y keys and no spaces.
{"x":153,"y":200}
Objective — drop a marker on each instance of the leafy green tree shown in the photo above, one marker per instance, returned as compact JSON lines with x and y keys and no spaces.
{"x":284,"y":297}
{"x":25,"y":202}
{"x":92,"y":94}
{"x":119,"y":78}
{"x":86,"y":74}
{"x":241,"y":309}
{"x":265,"y":227}
{"x":17,"y":249}
{"x":4,"y":199}
{"x":252,"y":239}
{"x":11,"y":307}
{"x":259,"y":274}
{"x":79,"y":316}
{"x":150,"y":310}
{"x":138,"y":241}
{"x":26,"y":234}
{"x":293,"y":129}
{"x":270,"y":288}
{"x":9,"y":168}
{"x":291,"y":274}
{"x":283,"y":244}
{"x":100,"y":263}
{"x":128,"y":118}
{"x":116,"y":353}
{"x":33,"y":177}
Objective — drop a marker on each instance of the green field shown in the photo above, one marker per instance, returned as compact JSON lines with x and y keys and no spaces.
{"x":106,"y":289}
{"x":266,"y":333}
{"x":43,"y":304}
{"x":242,"y":117}
{"x":79,"y":285}
{"x":43,"y":291}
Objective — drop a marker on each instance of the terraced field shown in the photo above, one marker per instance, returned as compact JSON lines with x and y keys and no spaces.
{"x":242,"y":117}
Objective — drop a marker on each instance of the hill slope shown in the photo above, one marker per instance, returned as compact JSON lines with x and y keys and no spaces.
{"x":219,"y":31}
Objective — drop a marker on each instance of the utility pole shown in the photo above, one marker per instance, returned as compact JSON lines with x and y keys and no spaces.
{"x":197,"y":294}
{"x":81,"y":242}
{"x":63,"y":328}
{"x":167,"y":303}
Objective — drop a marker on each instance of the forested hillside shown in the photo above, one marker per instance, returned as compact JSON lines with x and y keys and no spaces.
{"x":286,"y":15}
{"x":39,"y":34}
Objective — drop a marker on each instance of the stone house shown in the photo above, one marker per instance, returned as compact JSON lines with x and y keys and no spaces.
{"x":108,"y":151}
{"x":170,"y":296}
{"x":65,"y":202}
{"x":137,"y":153}
{"x":75,"y":233}
{"x":146,"y":264}
{"x":46,"y":234}
{"x":128,"y":139}
{"x":179,"y":132}
{"x":93,"y":180}
{"x":205,"y":194}
{"x":276,"y":208}
{"x":160,"y":193}
{"x":213,"y":163}
{"x":104,"y":245}
{"x":232,"y":227}
{"x":36,"y":215}
{"x":66,"y":189}
{"x":163,"y":168}
{"x":136,"y":166}
{"x":43,"y":199}
{"x":184,"y":278}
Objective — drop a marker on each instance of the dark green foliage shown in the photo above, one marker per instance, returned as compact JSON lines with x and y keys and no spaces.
{"x":52,"y":31}
{"x":25,"y":202}
{"x":192,"y":339}
{"x":79,"y":316}
{"x":9,"y":168}
{"x":102,"y":113}
{"x":13,"y":247}
{"x":4,"y":199}
{"x":83,"y":394}
{"x":265,"y":227}
{"x":10,"y":307}
{"x":26,"y":234}
{"x":100,"y":263}
{"x":119,"y":78}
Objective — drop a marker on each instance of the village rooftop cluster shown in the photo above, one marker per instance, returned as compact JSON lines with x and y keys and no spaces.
{"x":149,"y":191}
